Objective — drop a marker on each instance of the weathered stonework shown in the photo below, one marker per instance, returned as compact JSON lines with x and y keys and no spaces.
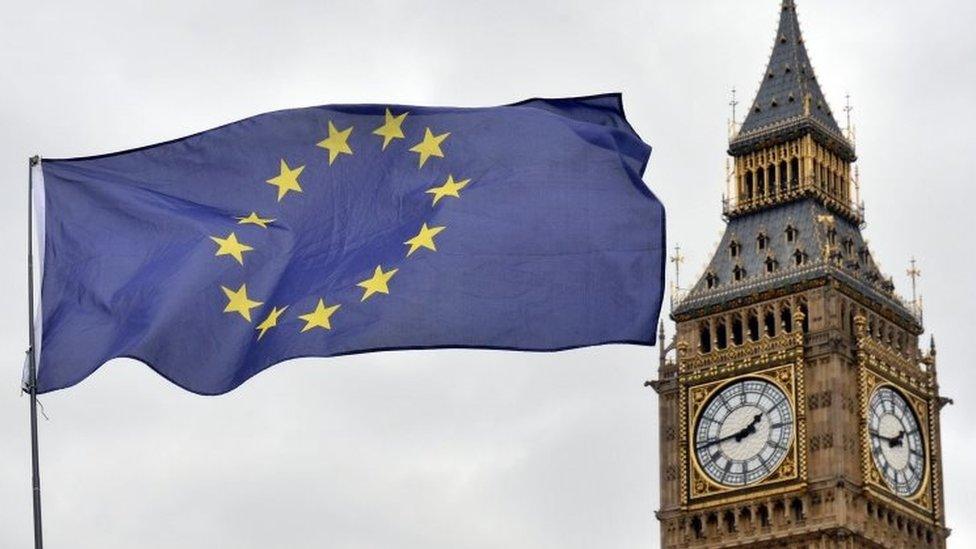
{"x":794,"y":297}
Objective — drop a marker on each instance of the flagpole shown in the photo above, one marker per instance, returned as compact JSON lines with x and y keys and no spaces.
{"x":32,"y":364}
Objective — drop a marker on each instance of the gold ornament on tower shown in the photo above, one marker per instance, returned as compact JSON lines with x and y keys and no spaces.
{"x":795,"y":406}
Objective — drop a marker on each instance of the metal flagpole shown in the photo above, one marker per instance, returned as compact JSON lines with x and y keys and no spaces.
{"x":32,"y":364}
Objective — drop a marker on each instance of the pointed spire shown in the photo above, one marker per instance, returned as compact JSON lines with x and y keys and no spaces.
{"x":789,"y":88}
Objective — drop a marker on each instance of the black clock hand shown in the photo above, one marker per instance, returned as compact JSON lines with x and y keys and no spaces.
{"x":892,"y":441}
{"x":738,"y":436}
{"x":897,"y":441}
{"x":749,"y":429}
{"x":717,"y":441}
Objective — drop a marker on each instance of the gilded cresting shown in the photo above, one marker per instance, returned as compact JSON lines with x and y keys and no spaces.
{"x":792,"y":297}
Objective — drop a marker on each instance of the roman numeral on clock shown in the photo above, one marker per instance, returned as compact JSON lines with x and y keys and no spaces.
{"x":775,"y":444}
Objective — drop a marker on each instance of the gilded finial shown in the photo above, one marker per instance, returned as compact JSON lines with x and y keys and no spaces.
{"x":677,"y":259}
{"x":734,"y":124}
{"x":848,"y":108}
{"x":914,"y":272}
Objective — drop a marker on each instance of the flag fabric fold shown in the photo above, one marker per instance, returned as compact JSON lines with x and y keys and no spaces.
{"x":349,"y":228}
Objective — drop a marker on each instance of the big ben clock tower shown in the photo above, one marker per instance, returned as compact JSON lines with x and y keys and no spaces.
{"x":796,"y":408}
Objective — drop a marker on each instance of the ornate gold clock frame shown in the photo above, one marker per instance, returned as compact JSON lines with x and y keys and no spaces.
{"x":778,"y":360}
{"x":880,"y":367}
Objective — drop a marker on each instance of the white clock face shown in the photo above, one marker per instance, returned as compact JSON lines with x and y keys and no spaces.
{"x":744,"y":432}
{"x":896,"y":441}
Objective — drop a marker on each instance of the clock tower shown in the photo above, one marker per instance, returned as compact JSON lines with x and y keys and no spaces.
{"x":796,"y":407}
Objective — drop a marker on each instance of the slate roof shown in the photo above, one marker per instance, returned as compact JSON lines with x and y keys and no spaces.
{"x":849,"y":258}
{"x":788,"y":79}
{"x":844,"y":256}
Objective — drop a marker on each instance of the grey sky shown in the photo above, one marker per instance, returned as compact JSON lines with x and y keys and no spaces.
{"x":460,"y":449}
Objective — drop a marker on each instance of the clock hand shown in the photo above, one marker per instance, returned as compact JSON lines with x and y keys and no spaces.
{"x":876,"y":434}
{"x":738,"y":436}
{"x":717,"y":441}
{"x":749,"y":429}
{"x":892,"y":441}
{"x":897,"y":440}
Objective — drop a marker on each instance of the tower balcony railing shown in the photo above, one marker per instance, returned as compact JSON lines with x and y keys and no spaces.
{"x":735,"y":204}
{"x":742,"y":141}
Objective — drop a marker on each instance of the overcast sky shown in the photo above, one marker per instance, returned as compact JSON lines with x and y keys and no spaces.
{"x":459,"y":449}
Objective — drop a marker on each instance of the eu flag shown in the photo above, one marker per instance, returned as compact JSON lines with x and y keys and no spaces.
{"x":349,"y":228}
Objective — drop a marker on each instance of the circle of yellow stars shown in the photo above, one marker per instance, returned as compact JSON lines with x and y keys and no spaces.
{"x":336,"y":144}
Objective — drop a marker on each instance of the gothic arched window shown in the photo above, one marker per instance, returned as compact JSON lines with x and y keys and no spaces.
{"x":737,"y":333}
{"x":796,"y":509}
{"x":753,"y":325}
{"x":738,"y":273}
{"x":786,"y":318}
{"x":704,"y":337}
{"x":729,"y":519}
{"x":762,"y":241}
{"x":735,"y":248}
{"x":791,"y":233}
{"x":799,"y":257}
{"x":769,"y":323}
{"x":721,"y":334}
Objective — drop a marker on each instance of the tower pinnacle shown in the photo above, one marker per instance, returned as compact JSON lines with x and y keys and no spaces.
{"x":789,"y":97}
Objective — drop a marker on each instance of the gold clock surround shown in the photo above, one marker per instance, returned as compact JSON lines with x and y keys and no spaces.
{"x":781,"y":365}
{"x":876,"y":373}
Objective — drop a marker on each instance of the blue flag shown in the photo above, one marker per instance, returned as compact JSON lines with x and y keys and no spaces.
{"x":349,"y":228}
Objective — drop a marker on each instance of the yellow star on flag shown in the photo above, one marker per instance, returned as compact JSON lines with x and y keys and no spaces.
{"x":449,"y":188}
{"x":319,"y":318}
{"x":238,"y":302}
{"x":337,"y":142}
{"x":390,"y":129}
{"x":424,"y":239}
{"x":377,"y":283}
{"x":286,"y":180}
{"x":271,"y":321}
{"x":254,"y":219}
{"x":430,"y":146}
{"x":230,"y":246}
